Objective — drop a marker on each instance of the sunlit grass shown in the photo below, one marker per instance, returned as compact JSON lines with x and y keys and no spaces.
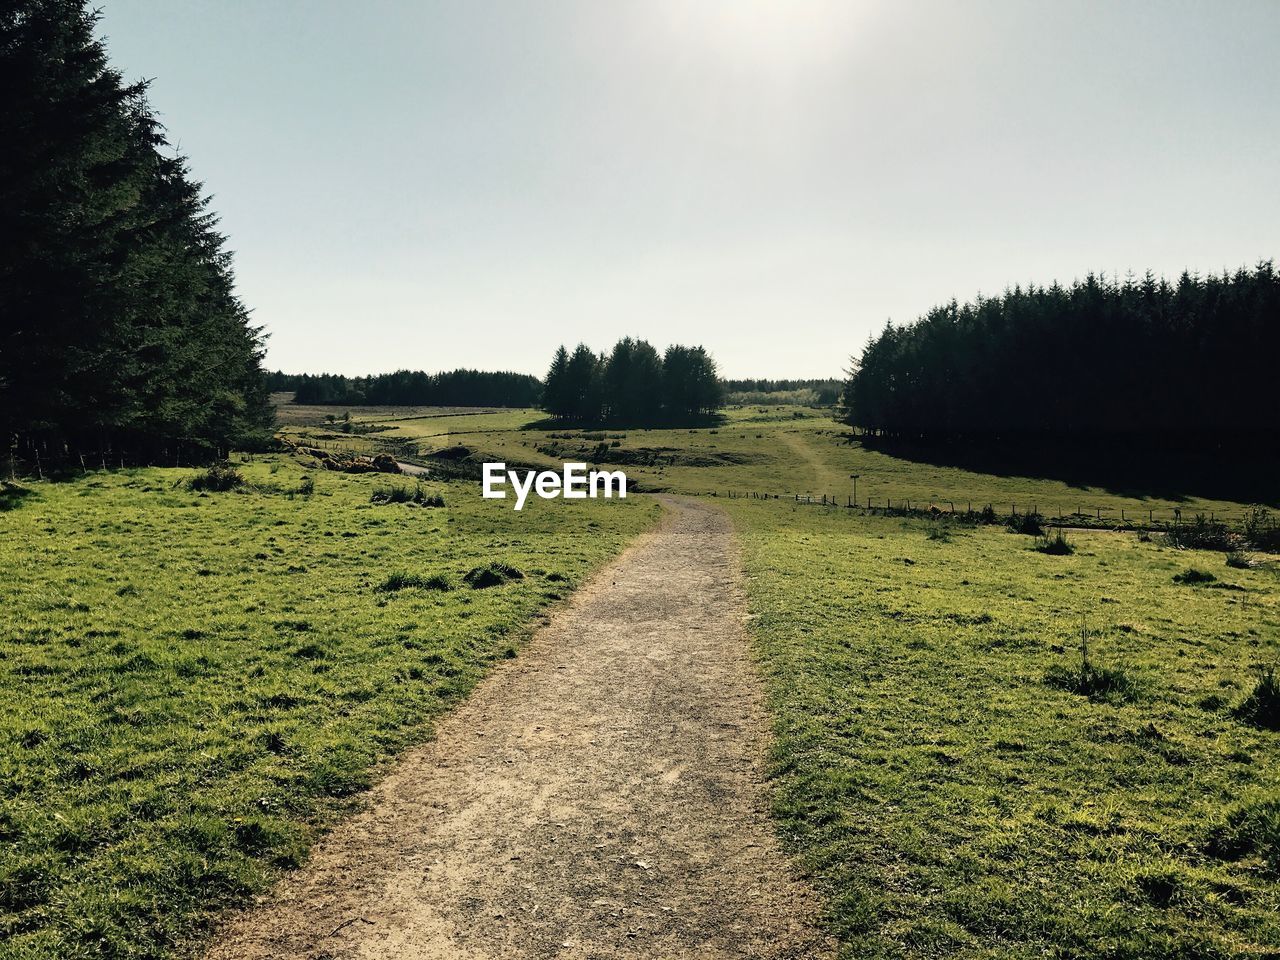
{"x":191,"y":680}
{"x":954,"y":798}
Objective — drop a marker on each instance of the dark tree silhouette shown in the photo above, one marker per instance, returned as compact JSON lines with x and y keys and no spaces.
{"x":632,"y":381}
{"x":634,"y":385}
{"x":454,"y":388}
{"x":555,"y":396}
{"x":1192,"y":362}
{"x":122,"y":334}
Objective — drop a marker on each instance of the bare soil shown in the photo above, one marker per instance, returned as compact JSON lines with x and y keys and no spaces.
{"x":601,"y":796}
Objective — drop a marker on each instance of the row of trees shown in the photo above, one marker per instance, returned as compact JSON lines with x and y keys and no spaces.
{"x":822,"y":393}
{"x":1195,"y":358}
{"x":122,"y":334}
{"x":454,"y":388}
{"x":633,"y":384}
{"x":765,"y":385}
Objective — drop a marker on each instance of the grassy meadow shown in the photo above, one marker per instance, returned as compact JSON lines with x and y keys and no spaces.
{"x":780,"y":450}
{"x":194,"y":681}
{"x":955,"y":785}
{"x":197,"y":681}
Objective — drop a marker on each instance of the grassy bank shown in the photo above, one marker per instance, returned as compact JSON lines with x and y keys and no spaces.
{"x":192,"y":680}
{"x":956,"y":784}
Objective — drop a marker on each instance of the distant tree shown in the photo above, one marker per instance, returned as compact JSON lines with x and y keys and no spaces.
{"x":691,"y":386}
{"x":634,"y":385}
{"x":633,"y":382}
{"x":584,"y":378}
{"x":453,"y":388}
{"x":555,"y":392}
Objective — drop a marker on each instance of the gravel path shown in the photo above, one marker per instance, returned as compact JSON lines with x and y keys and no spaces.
{"x":601,"y":796}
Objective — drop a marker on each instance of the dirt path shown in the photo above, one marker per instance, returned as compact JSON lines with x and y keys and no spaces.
{"x":601,"y":796}
{"x":825,"y":479}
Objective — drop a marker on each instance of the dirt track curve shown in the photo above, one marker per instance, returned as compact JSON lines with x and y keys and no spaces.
{"x":601,"y":796}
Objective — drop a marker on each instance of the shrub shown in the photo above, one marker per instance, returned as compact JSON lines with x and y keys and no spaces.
{"x":1261,"y":530}
{"x":391,"y":494}
{"x":403,"y":581}
{"x":307,"y":487}
{"x":1239,"y":560}
{"x":1201,"y":534}
{"x":1056,"y":544}
{"x":218,"y":478}
{"x":1262,"y":707}
{"x":1193,"y":576}
{"x":1031,"y":524}
{"x":491,"y":575}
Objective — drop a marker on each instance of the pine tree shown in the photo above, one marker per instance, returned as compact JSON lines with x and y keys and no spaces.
{"x":555,"y":395}
{"x":121,"y":329}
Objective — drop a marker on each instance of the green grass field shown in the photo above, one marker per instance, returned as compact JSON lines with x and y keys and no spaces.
{"x":953,"y":802}
{"x":193,"y":682}
{"x":198,"y":681}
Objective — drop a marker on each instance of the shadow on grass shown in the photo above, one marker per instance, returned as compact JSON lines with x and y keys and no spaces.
{"x":556,"y":423}
{"x":12,"y":495}
{"x":1239,"y":469}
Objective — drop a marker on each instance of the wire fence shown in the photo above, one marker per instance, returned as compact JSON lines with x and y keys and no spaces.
{"x":1079,"y":514}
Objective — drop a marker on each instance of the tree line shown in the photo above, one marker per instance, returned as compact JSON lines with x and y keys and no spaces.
{"x":817,"y":392}
{"x":766,"y":385}
{"x":122,"y":335}
{"x":453,"y":388}
{"x":632,"y":384}
{"x":1194,"y":359}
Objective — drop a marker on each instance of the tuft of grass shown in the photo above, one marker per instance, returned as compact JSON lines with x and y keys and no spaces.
{"x":1193,"y":576}
{"x":1055,"y":544}
{"x":937,"y":530}
{"x":219,"y":478}
{"x":1088,"y":679}
{"x":397,"y":493}
{"x":1249,"y":830}
{"x":1262,"y":707}
{"x":493,"y":574}
{"x":404,"y":581}
{"x":1239,"y":560}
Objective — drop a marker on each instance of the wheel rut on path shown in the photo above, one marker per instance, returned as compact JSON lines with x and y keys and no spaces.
{"x":600,"y":796}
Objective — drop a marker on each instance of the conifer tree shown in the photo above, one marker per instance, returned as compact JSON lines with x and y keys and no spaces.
{"x":121,"y":330}
{"x":1190,"y":362}
{"x":555,"y":395}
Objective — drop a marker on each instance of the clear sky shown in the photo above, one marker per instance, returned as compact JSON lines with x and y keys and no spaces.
{"x":431,"y":185}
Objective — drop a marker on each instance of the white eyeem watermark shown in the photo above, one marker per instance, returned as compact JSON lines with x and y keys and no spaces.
{"x":575,"y":483}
